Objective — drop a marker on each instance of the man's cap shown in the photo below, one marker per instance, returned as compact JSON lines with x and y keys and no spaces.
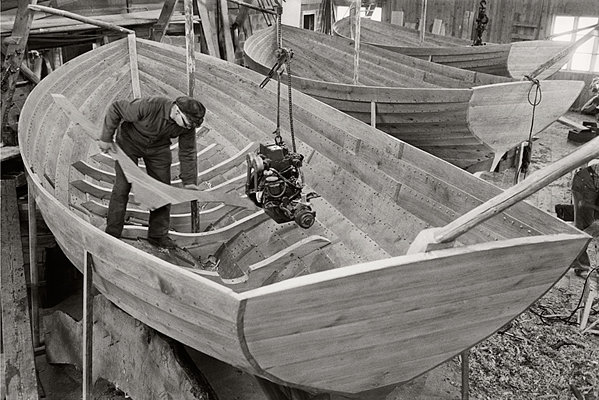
{"x":193,"y":109}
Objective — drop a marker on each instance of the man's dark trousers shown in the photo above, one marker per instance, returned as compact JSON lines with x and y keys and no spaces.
{"x":158,"y":166}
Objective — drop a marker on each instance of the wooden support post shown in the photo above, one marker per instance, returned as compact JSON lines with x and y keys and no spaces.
{"x":589,"y":292}
{"x":14,"y":57}
{"x":88,"y":325}
{"x":191,"y":63}
{"x":373,"y":114}
{"x":207,"y":28}
{"x":190,"y":46}
{"x":358,"y":8}
{"x":465,"y":375}
{"x":226,"y":28}
{"x":31,"y":209}
{"x":422,"y":26}
{"x":18,"y":363}
{"x":158,"y":30}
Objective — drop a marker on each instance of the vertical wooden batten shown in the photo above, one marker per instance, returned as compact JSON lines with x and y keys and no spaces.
{"x":134,"y":66}
{"x":33,"y":268}
{"x":88,"y":326}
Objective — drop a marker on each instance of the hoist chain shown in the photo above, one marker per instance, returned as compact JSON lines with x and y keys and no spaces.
{"x":283,"y":58}
{"x":290,"y":100}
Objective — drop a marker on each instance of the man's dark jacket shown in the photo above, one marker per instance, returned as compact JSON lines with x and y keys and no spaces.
{"x":146,"y":123}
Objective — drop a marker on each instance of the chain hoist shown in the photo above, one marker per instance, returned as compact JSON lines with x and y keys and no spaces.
{"x":275,"y":180}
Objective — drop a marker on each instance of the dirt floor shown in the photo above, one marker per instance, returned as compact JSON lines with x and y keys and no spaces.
{"x":541,"y":355}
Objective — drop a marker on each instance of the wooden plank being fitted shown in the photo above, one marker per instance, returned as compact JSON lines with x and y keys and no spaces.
{"x":18,"y":364}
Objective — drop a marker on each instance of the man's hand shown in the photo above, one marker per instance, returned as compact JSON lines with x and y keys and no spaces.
{"x":107,"y":147}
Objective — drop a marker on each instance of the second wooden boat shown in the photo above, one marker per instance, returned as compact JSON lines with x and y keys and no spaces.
{"x":467,"y":118}
{"x":511,"y":60}
{"x":338,"y":307}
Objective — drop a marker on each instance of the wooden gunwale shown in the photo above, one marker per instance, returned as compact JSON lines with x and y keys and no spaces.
{"x":402,"y":190}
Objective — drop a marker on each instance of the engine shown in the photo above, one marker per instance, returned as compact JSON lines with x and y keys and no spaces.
{"x":275,"y":182}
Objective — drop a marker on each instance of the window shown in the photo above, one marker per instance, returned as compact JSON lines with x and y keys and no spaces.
{"x":308,"y":22}
{"x":586,"y":57}
{"x":372,"y":12}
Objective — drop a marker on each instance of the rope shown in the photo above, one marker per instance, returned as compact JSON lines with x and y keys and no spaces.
{"x":534,"y":103}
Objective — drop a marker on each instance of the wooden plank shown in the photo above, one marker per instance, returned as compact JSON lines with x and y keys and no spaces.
{"x":158,"y":30}
{"x":33,"y":266}
{"x":226,"y":28}
{"x":18,"y":364}
{"x":208,"y":29}
{"x":190,"y":46}
{"x":92,"y":21}
{"x":258,"y":274}
{"x":397,"y":18}
{"x":88,"y":326}
{"x":133,"y":66}
{"x":467,"y":25}
{"x":15,"y":53}
{"x":437,"y":25}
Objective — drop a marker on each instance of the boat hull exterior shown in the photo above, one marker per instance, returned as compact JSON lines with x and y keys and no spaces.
{"x":513,"y":60}
{"x":468,"y":119}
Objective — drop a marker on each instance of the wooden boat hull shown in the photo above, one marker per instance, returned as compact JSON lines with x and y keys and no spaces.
{"x":466,"y":118}
{"x":513,"y":60}
{"x":367,"y":315}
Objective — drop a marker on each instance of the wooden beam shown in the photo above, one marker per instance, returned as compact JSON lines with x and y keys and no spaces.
{"x":133,"y":66}
{"x":18,"y":363}
{"x":158,"y":30}
{"x":226,"y":28}
{"x":357,"y":9}
{"x":32,"y":222}
{"x":208,"y":29}
{"x":422,"y":21}
{"x":88,"y":326}
{"x":464,"y":357}
{"x":190,"y":46}
{"x":15,"y":53}
{"x":81,"y":18}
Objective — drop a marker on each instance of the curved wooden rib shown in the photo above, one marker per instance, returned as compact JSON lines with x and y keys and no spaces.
{"x":180,"y":222}
{"x":205,"y":243}
{"x":105,"y":159}
{"x":227,"y":164}
{"x":259,"y":274}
